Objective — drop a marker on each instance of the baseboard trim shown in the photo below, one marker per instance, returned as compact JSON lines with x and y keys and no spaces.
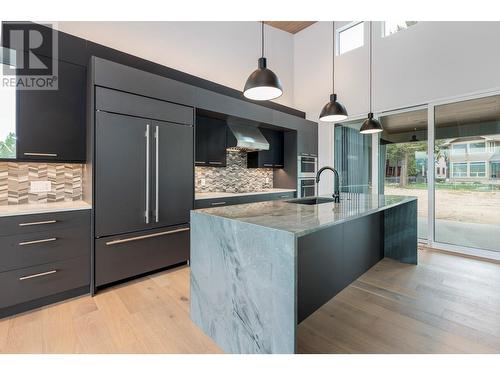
{"x":44,"y":301}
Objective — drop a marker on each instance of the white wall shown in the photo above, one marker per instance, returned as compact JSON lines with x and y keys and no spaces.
{"x":223,"y":52}
{"x":429,"y":61}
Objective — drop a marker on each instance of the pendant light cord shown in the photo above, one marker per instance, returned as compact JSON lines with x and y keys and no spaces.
{"x":262,"y":35}
{"x":371,"y":42}
{"x":333,"y":57}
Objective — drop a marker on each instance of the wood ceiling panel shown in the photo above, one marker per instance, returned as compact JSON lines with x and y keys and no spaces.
{"x":291,"y":27}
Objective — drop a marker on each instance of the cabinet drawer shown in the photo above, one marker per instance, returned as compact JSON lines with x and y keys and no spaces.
{"x":30,"y":249}
{"x":121,"y":257}
{"x":22,"y":224}
{"x":27,"y":284}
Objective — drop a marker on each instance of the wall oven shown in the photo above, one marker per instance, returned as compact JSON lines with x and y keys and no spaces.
{"x":307,"y":187}
{"x":307,"y":166}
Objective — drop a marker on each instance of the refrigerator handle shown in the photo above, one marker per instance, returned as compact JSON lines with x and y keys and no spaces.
{"x":157,"y":172}
{"x":146,"y":213}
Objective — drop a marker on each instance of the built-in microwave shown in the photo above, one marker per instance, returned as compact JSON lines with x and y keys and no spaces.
{"x":307,"y":166}
{"x":307,"y":187}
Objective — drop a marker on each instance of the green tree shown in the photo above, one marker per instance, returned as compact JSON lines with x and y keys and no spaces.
{"x":8,"y":147}
{"x":403,"y":154}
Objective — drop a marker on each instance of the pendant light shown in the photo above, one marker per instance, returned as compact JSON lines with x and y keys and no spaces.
{"x":333,"y":110}
{"x":263,"y":84}
{"x":371,"y":125}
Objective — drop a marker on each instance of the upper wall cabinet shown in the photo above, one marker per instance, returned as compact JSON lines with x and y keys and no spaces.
{"x":210,"y":142}
{"x":272,"y":158}
{"x":307,"y":142}
{"x":51,"y":123}
{"x":7,"y":117}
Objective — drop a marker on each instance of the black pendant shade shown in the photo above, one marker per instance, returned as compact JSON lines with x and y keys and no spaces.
{"x":333,"y":110}
{"x":263,"y":84}
{"x":371,"y":125}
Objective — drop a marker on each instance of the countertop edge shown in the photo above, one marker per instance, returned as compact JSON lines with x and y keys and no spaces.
{"x":45,"y":210}
{"x":200,"y":212}
{"x":249,"y":194}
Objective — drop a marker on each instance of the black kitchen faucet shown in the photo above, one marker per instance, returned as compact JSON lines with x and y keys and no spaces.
{"x":336,"y":192}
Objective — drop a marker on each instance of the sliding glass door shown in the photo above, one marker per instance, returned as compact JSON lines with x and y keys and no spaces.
{"x":352,"y":158}
{"x":404,"y":159}
{"x":458,"y":189}
{"x":467,"y":178}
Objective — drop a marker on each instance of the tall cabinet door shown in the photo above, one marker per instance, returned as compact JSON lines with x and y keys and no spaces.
{"x":122,"y":173}
{"x":173,"y":174}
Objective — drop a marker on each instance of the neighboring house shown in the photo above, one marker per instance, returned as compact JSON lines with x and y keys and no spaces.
{"x":474,"y":158}
{"x":440,"y":167}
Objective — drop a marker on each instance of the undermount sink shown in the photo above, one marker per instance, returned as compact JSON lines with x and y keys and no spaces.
{"x":312,"y":201}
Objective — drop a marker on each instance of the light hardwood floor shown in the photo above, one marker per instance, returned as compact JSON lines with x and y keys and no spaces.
{"x":446,"y":304}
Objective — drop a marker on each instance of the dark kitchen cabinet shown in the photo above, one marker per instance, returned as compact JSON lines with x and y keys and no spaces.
{"x":122,"y":174}
{"x":144,"y":181}
{"x":210,"y":142}
{"x":307,"y":142}
{"x":173,"y":174}
{"x":144,"y":173}
{"x":44,"y":258}
{"x":124,"y":256}
{"x":272,"y":158}
{"x":51,"y":123}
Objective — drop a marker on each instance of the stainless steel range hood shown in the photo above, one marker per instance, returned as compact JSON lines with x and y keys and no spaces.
{"x":244,"y":135}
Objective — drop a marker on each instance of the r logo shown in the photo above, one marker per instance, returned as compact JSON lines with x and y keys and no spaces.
{"x":32,"y":49}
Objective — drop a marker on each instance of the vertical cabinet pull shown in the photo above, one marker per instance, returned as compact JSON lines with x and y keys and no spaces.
{"x":146,"y":214}
{"x":157,"y":171}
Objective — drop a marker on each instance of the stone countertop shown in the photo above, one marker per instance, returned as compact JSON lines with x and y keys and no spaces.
{"x":39,"y":208}
{"x":215,"y":195}
{"x":303,"y":219}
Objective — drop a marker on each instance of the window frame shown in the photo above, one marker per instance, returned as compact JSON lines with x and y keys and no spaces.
{"x":340,"y":30}
{"x":477,"y":174}
{"x":453,"y":175}
{"x":383,"y":29}
{"x":472,"y":150}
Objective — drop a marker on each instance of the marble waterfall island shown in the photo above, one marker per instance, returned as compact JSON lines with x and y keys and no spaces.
{"x":259,"y":269}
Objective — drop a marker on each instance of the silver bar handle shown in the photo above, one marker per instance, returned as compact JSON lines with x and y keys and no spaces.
{"x":215,"y":162}
{"x":146,"y":213}
{"x":157,"y":170}
{"x":308,"y":162}
{"x":38,"y":223}
{"x":115,"y":242}
{"x":39,"y":154}
{"x":37,"y":241}
{"x":267,"y":165}
{"x":217,"y":203}
{"x":37,"y":275}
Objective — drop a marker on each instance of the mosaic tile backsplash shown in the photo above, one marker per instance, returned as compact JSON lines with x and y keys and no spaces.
{"x":235,"y":177}
{"x":15,"y":179}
